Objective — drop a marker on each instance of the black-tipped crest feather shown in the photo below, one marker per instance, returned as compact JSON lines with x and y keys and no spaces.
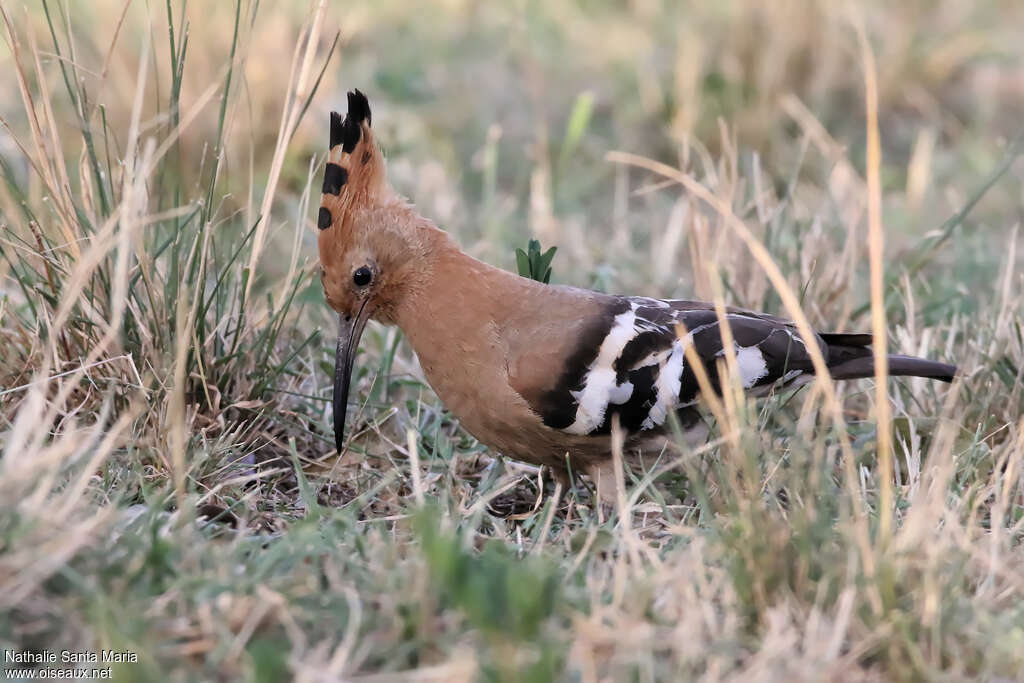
{"x":347,"y":132}
{"x":336,"y":127}
{"x":349,"y":135}
{"x":323,"y":219}
{"x":359,"y":107}
{"x":335,"y":178}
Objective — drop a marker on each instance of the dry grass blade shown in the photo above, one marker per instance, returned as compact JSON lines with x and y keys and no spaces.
{"x":298,"y":84}
{"x":876,"y":245}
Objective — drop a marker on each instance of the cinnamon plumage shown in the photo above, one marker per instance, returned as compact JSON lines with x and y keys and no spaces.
{"x":537,"y":371}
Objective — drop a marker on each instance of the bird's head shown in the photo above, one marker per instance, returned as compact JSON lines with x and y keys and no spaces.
{"x":371,"y":241}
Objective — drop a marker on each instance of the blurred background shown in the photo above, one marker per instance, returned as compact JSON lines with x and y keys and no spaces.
{"x":496,"y":117}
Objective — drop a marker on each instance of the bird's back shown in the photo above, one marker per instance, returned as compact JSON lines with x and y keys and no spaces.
{"x":631,"y":361}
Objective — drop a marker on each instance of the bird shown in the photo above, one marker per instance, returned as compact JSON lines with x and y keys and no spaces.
{"x":539,"y":372}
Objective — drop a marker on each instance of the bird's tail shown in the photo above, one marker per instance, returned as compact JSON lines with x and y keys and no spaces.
{"x":850,"y":357}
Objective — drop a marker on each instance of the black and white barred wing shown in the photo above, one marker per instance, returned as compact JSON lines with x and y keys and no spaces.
{"x":630,"y":361}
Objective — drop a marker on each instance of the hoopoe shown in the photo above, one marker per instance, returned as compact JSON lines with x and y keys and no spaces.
{"x":537,"y":371}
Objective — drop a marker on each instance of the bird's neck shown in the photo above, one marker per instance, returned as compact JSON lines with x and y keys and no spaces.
{"x":455,"y":301}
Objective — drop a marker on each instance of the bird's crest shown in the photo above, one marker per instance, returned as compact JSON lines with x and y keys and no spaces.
{"x":354,"y":177}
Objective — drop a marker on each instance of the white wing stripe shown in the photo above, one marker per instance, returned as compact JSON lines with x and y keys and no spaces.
{"x":599,"y":383}
{"x":752,"y":364}
{"x":669,"y":381}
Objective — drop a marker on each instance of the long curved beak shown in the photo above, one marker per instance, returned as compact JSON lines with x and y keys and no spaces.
{"x":350,"y":329}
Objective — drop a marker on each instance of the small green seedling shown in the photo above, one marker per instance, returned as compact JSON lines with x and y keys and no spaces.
{"x":533,"y":264}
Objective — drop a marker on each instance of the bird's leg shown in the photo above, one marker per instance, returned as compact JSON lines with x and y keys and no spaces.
{"x":561,"y":476}
{"x":602,"y":474}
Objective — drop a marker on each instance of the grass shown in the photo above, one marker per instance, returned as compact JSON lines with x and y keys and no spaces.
{"x":167,"y":485}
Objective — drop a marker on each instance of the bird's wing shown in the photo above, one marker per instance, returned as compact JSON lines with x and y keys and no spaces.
{"x":630,"y":360}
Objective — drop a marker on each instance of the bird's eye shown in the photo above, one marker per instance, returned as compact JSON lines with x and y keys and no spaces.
{"x":362,"y":276}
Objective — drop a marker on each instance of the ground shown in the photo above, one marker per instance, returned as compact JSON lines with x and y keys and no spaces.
{"x":167,"y":481}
